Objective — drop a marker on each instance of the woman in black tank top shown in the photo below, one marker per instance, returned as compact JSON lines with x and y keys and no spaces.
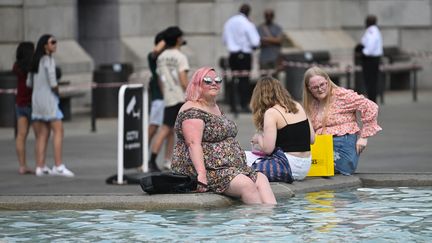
{"x":280,"y":122}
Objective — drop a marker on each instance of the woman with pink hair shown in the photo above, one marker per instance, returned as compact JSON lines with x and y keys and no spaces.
{"x":206,"y":146}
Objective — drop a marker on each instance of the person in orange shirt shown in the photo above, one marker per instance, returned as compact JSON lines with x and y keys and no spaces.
{"x":333,"y":110}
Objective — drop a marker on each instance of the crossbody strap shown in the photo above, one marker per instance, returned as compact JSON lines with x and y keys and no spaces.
{"x":281,"y":115}
{"x":267,"y":31}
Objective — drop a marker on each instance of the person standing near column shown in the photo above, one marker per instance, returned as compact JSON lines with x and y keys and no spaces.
{"x":271,"y":40}
{"x":241,"y":37}
{"x":46,"y":114}
{"x":157,"y":102}
{"x":372,"y":52}
{"x":172,"y":68}
{"x":21,"y":67}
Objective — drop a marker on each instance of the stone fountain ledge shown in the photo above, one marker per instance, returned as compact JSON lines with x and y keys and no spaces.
{"x":143,"y":201}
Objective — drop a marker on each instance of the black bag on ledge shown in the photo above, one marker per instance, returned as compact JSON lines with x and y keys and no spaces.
{"x":129,"y":179}
{"x":168,"y":182}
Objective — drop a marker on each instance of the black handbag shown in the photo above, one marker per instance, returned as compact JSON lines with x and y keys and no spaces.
{"x":168,"y":182}
{"x":129,"y":179}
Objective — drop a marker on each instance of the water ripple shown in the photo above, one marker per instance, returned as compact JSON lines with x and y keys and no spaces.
{"x":366,"y":215}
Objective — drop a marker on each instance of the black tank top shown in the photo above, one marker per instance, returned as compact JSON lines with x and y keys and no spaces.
{"x":294,"y":137}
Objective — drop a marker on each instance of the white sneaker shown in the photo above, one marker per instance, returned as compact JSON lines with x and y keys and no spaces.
{"x":62,"y":171}
{"x":43,"y":171}
{"x":167,"y":165}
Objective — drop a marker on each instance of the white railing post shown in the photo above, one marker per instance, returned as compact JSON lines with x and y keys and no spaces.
{"x":120,"y":132}
{"x":145,"y":128}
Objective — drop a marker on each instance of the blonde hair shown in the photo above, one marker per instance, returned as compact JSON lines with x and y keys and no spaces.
{"x":267,"y":93}
{"x":308,"y":98}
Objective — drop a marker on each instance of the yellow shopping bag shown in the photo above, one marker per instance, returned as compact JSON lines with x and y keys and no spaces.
{"x":322,"y":156}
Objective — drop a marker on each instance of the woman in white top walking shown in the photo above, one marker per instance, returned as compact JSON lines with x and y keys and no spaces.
{"x":46,"y":113}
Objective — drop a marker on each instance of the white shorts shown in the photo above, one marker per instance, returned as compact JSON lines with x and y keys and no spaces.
{"x":156,"y":112}
{"x":299,"y":166}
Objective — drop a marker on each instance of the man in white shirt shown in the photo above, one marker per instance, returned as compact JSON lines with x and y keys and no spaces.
{"x":372,"y":52}
{"x":240,"y":37}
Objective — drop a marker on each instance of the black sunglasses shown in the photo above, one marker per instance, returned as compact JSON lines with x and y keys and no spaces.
{"x":209,"y":81}
{"x":53,"y":42}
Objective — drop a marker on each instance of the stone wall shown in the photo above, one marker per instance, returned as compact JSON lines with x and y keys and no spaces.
{"x":123,"y":30}
{"x":27,"y":20}
{"x":406,"y":24}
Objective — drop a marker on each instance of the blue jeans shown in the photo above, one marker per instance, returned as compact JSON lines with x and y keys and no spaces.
{"x":345,"y":154}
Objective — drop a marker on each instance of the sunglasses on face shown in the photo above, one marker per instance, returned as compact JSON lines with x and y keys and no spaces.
{"x":53,"y":42}
{"x":209,"y":81}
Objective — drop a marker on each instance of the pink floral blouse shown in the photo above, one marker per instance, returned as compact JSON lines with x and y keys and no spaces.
{"x":341,"y":118}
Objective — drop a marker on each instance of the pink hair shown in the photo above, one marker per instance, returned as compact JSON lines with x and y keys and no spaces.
{"x":193,"y":90}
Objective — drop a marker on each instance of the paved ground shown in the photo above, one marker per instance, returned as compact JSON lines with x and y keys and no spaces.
{"x":403,"y":147}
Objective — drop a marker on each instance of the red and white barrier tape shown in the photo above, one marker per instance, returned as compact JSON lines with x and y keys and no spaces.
{"x":331,"y":69}
{"x":419,"y":54}
{"x":8,"y":91}
{"x":75,"y":87}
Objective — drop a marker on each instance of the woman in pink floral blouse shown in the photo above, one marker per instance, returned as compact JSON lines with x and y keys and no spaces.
{"x":333,"y":110}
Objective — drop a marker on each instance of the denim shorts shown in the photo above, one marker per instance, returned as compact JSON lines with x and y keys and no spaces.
{"x":157,"y":112}
{"x":58,"y":116}
{"x":345,"y":153}
{"x":23,"y":111}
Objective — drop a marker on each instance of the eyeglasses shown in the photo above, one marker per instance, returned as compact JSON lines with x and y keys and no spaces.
{"x":207,"y":80}
{"x":53,"y":42}
{"x":318,"y":87}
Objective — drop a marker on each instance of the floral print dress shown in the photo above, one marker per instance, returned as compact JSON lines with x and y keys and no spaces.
{"x":224,"y":158}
